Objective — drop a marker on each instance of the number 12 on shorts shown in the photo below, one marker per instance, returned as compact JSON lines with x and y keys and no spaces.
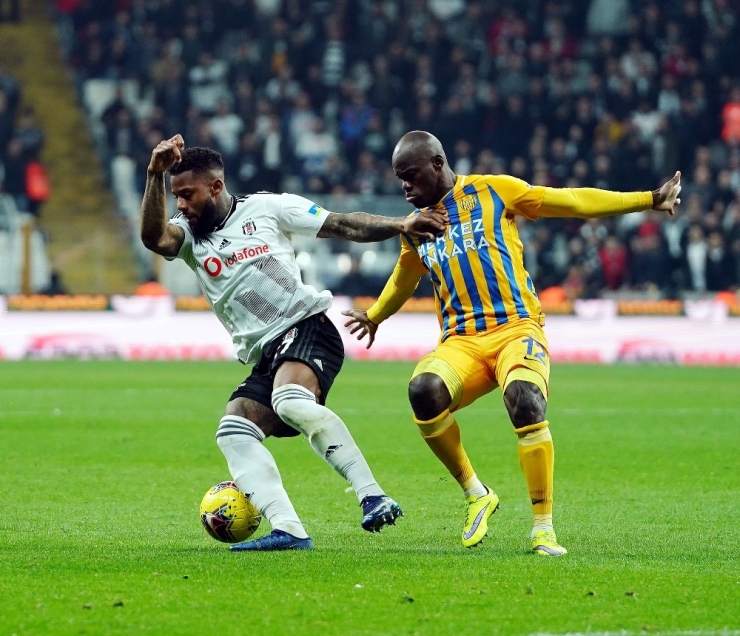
{"x":535,"y":351}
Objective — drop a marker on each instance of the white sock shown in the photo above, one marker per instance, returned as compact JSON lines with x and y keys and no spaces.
{"x":542,"y":522}
{"x":327,"y":434}
{"x":473,"y":486}
{"x":255,"y":472}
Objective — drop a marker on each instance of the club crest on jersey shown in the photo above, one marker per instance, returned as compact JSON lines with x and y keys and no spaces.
{"x":468,"y":203}
{"x":249,"y":227}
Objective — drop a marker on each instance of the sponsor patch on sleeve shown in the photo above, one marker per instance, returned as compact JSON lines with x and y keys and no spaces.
{"x":315,"y":209}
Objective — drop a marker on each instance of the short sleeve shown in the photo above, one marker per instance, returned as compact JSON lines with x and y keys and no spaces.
{"x":300,"y":216}
{"x":518,"y":196}
{"x":186,"y":249}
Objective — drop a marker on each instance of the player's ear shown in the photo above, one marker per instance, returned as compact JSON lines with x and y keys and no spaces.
{"x":438,"y":162}
{"x":217,"y":185}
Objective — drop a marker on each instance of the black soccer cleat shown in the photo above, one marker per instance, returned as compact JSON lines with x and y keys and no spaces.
{"x":379,"y":511}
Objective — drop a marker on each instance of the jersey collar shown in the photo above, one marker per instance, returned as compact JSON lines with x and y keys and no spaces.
{"x":459,"y":183}
{"x":222,"y":225}
{"x":449,"y":197}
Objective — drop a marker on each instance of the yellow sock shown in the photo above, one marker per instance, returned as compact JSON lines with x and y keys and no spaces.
{"x":537,"y":459}
{"x":442,"y":435}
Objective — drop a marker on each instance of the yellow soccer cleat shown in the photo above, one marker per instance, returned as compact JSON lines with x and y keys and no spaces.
{"x":478,"y":510}
{"x":546,"y":543}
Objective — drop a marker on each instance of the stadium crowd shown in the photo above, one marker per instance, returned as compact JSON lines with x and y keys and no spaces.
{"x":23,"y":180}
{"x":312,"y":96}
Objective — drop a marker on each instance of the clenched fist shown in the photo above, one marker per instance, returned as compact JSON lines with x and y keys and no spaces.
{"x":166,"y":154}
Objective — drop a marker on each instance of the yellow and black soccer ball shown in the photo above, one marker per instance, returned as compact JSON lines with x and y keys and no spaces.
{"x":227,"y":514}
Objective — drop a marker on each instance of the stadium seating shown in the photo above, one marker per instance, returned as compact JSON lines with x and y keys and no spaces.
{"x":612,"y":94}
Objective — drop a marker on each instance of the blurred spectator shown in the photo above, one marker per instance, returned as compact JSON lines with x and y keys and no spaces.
{"x":14,"y":174}
{"x":226,"y":127}
{"x":375,"y":138}
{"x":29,"y":134}
{"x":10,"y":86}
{"x":335,"y":55}
{"x":367,"y":177}
{"x":272,"y":155}
{"x":608,"y":17}
{"x":10,"y":11}
{"x":355,"y":121}
{"x":386,"y":89}
{"x":720,"y":270}
{"x":696,"y":258}
{"x":56,"y":285}
{"x":731,"y":117}
{"x":247,"y":166}
{"x":208,"y":83}
{"x":315,"y":149}
{"x":613,"y":257}
{"x":300,"y":118}
{"x":6,"y":119}
{"x":122,"y":133}
{"x":650,"y":266}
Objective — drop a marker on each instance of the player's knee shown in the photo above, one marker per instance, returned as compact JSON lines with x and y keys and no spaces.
{"x":428,"y":395}
{"x":525,"y":403}
{"x":289,"y":403}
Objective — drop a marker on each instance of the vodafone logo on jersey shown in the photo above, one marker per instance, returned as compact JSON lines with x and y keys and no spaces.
{"x":214,"y":266}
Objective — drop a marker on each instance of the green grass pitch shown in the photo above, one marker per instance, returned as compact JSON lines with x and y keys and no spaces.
{"x":103,"y":464}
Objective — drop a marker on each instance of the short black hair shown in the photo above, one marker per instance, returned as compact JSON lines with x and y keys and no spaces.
{"x":199,"y":160}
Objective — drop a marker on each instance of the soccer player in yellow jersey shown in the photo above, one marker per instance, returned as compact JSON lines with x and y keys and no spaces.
{"x":489,"y":314}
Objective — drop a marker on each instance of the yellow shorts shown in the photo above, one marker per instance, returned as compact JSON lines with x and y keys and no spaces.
{"x":472,"y":366}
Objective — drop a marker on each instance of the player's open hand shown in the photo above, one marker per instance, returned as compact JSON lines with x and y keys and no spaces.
{"x":665,"y":199}
{"x":360,"y":322}
{"x":166,"y":154}
{"x":427,"y":225}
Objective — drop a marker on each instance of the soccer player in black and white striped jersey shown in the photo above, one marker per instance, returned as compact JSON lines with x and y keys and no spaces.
{"x":241,"y":253}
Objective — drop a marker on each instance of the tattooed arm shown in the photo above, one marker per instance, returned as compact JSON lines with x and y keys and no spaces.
{"x":361,"y":227}
{"x":156,"y":233}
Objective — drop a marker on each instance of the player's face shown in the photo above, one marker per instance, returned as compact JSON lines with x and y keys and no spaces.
{"x":196,"y":200}
{"x":420,"y":180}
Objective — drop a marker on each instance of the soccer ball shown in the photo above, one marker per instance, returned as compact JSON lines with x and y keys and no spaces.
{"x":227,"y":514}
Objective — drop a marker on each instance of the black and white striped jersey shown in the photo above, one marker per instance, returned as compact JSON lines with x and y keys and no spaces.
{"x":247,"y":269}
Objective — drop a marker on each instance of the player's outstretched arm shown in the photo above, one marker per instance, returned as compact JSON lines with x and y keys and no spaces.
{"x":361,"y":227}
{"x":589,"y":203}
{"x":157,"y":234}
{"x":399,"y":288}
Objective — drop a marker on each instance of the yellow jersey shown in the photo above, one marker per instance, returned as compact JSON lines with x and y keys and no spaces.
{"x":477,"y":265}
